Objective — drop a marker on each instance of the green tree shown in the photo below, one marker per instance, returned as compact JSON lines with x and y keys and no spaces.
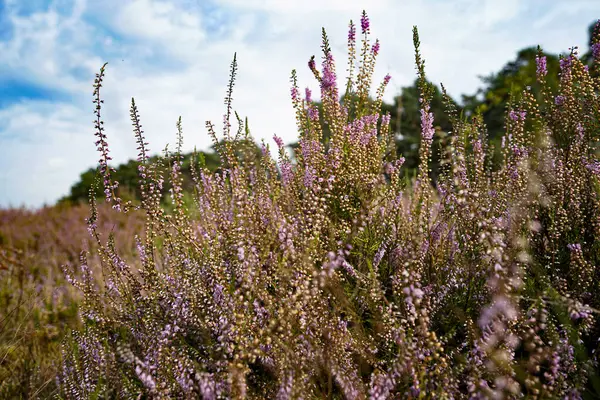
{"x":127,"y":176}
{"x":492,"y":99}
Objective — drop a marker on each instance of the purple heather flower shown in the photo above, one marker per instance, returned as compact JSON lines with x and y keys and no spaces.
{"x":379,"y":255}
{"x":580,"y":131}
{"x":576,"y":247}
{"x":287,"y":174}
{"x":309,"y":177}
{"x":295,"y":94}
{"x":427,"y":130}
{"x":594,"y":167}
{"x":596,"y":51}
{"x":415,"y":391}
{"x":386,"y":79}
{"x":517,"y":115}
{"x":309,"y":148}
{"x":579,"y":314}
{"x":381,"y":385}
{"x":352,"y":33}
{"x":349,"y":268}
{"x":565,"y":64}
{"x":208,"y":387}
{"x":559,"y":100}
{"x":329,"y":78}
{"x":146,"y":378}
{"x":308,"y":94}
{"x":385,"y":120}
{"x":573,"y":394}
{"x":364,"y":23}
{"x":393,"y":167}
{"x":285,"y":390}
{"x":542,"y":68}
{"x":520,"y":151}
{"x":375,"y":47}
{"x":184,"y":379}
{"x":313,"y":113}
{"x":218,"y":295}
{"x":371,"y":119}
{"x":279,"y":141}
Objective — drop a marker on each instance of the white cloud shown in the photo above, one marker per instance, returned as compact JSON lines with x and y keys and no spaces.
{"x":44,"y":153}
{"x":173,"y":57}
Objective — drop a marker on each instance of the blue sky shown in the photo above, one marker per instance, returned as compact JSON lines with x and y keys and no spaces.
{"x":173,"y":57}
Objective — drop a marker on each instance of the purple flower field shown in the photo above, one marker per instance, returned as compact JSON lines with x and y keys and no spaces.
{"x":326,"y":273}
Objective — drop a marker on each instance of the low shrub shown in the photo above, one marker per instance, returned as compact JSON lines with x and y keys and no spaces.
{"x":330,"y":276}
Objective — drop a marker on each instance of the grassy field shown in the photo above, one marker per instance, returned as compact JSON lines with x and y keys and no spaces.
{"x":37,"y":305}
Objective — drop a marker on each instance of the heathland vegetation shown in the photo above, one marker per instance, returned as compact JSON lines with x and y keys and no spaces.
{"x":430,"y":248}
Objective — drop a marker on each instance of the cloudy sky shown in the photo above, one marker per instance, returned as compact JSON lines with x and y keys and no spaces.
{"x":174,"y":56}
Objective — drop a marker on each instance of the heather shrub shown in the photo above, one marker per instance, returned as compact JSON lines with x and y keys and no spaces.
{"x":328,"y":275}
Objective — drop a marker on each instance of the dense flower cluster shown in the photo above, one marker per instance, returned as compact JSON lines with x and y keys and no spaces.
{"x":334,"y":276}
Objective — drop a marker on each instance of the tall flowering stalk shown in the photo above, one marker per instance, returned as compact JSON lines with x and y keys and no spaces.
{"x":110,"y":186}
